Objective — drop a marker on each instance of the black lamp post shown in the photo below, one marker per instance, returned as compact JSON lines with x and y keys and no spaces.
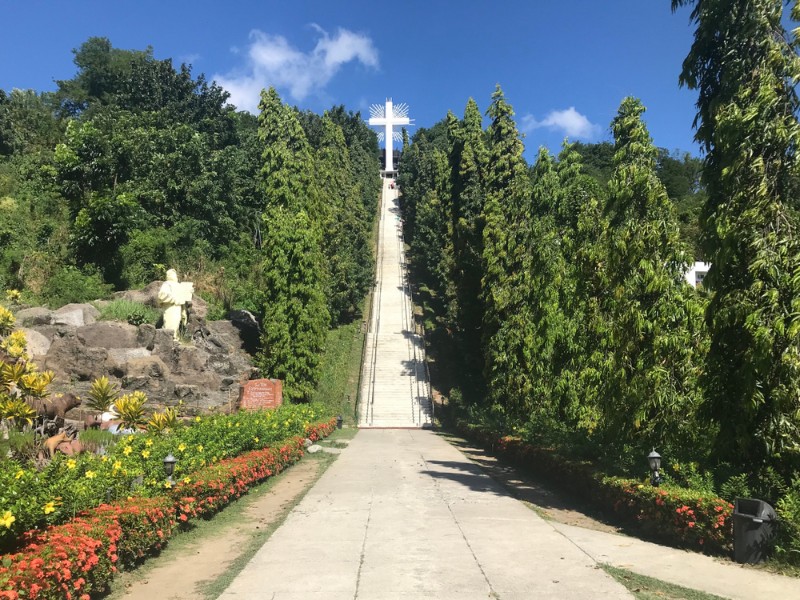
{"x":339,"y":420}
{"x":169,"y":467}
{"x":654,"y":458}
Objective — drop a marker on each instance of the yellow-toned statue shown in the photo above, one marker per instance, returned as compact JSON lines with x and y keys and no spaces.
{"x":173,"y":298}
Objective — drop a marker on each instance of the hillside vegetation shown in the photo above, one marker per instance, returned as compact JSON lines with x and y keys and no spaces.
{"x":135,"y":165}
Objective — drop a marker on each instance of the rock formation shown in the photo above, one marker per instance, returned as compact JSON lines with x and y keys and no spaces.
{"x":205,"y":373}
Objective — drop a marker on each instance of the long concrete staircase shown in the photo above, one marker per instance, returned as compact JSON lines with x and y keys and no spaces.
{"x":395,"y":387}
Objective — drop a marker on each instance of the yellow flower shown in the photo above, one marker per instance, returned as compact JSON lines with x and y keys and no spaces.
{"x":167,"y":484}
{"x":199,"y":447}
{"x":127,"y":450}
{"x":255,"y":439}
{"x":104,"y":458}
{"x":187,"y":480}
{"x":19,"y":474}
{"x":90,"y":474}
{"x":237,"y":424}
{"x":197,"y":419}
{"x":7,"y":519}
{"x":49,"y":507}
{"x":148,"y":443}
{"x":182,"y":447}
{"x":146,"y":453}
{"x":71,"y":463}
{"x":117,"y":464}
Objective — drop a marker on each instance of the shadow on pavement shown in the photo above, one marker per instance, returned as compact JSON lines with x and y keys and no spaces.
{"x":542,"y":494}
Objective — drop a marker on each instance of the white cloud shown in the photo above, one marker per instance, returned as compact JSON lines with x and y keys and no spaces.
{"x":570,"y":121}
{"x":272,"y":61}
{"x":189,"y":59}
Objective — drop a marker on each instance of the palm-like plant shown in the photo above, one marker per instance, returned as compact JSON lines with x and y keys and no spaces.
{"x":130,"y":409}
{"x":102,"y":395}
{"x":162,"y":421}
{"x":16,"y":411}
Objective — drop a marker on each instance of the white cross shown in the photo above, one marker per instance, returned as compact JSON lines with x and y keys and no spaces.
{"x":388,"y":117}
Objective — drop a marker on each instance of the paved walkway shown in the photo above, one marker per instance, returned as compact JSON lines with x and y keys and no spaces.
{"x":689,"y":569}
{"x":394,"y":386}
{"x":402,"y":514}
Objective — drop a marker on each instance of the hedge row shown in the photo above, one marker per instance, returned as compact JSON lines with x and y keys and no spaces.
{"x":674,"y":515}
{"x":80,"y":557}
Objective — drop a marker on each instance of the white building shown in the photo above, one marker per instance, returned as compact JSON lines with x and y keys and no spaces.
{"x":696,"y":273}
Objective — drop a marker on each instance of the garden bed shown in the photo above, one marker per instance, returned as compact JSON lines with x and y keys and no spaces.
{"x":79,"y":557}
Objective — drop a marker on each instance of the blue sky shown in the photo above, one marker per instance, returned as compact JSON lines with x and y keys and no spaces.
{"x":564,"y":66}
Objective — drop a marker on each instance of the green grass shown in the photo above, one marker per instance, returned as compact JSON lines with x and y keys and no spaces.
{"x":341,"y":363}
{"x":648,"y":588}
{"x":129,"y":311}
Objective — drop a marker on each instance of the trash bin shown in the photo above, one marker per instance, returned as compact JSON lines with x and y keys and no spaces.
{"x":753,"y":530}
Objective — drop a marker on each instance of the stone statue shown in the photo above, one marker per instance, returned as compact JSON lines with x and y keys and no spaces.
{"x":173,"y":298}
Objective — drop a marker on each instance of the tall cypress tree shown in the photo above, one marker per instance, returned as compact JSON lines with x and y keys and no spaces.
{"x":295,"y":312}
{"x":469,"y":162}
{"x":651,"y":386}
{"x":506,"y":322}
{"x":430,"y":247}
{"x":745,"y":67}
{"x":288,"y":163}
{"x":578,"y":345}
{"x":345,"y":240}
{"x":546,"y":273}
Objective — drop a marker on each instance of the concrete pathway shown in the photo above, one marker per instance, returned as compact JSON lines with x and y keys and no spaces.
{"x":402,"y":514}
{"x":394,"y":385}
{"x":689,"y":569}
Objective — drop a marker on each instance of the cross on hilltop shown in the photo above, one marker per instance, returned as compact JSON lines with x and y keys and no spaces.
{"x":389,"y":116}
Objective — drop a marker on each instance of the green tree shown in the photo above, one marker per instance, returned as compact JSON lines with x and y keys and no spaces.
{"x":101,"y":68}
{"x":345,"y":243}
{"x":507,"y":325}
{"x":295,"y":312}
{"x":745,"y":66}
{"x":651,"y":389}
{"x":469,"y":164}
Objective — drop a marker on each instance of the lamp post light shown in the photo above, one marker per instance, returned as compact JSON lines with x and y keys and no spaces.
{"x":169,"y":467}
{"x":654,"y":458}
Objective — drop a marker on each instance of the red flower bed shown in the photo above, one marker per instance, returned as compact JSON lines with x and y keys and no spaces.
{"x":678,"y":516}
{"x":80,"y":557}
{"x":318,"y":431}
{"x":211,"y":488}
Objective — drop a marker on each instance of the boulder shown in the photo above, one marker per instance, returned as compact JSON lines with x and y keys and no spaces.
{"x":199,"y":307}
{"x":109,"y":334}
{"x":75,"y":315}
{"x":118,"y":359}
{"x":38,"y":344}
{"x":147,"y":296}
{"x":37,"y":315}
{"x":147,"y":366}
{"x":71,"y":359}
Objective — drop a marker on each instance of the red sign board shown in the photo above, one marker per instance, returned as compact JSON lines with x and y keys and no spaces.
{"x":258,"y":394}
